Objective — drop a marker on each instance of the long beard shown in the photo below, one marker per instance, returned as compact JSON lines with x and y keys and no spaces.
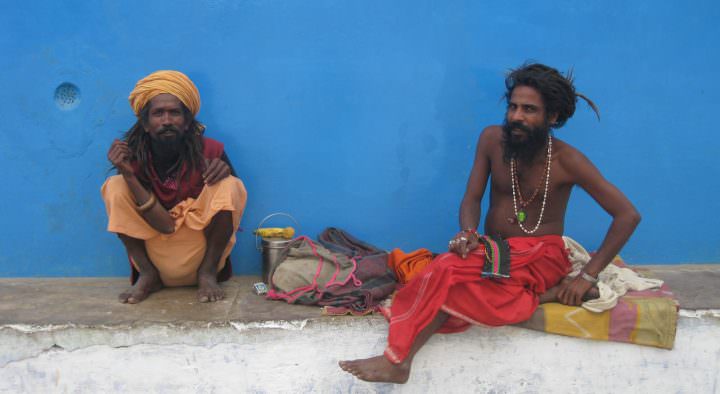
{"x":171,"y":147}
{"x":525,"y":149}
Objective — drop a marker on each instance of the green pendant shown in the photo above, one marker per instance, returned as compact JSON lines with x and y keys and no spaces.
{"x":521,"y":216}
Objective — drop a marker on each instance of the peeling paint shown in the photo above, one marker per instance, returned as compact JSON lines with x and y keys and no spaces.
{"x":31,"y":328}
{"x":699,"y":313}
{"x":282,"y":324}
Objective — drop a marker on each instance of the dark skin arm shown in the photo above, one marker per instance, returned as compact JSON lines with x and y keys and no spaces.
{"x":465,"y":241}
{"x":158,"y":217}
{"x":613,"y":201}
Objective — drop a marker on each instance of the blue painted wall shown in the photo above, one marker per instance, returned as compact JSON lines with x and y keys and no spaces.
{"x":357,"y":114}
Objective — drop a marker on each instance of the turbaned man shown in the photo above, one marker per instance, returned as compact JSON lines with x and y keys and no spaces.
{"x":175,"y":203}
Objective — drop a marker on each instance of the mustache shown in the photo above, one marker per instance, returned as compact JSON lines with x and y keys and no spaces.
{"x":170,"y":128}
{"x":517,"y":126}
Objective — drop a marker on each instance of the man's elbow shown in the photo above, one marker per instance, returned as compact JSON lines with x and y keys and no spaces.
{"x":634,"y":217}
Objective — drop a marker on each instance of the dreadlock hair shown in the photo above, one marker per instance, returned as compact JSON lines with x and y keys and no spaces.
{"x":557,"y":91}
{"x":191,"y":151}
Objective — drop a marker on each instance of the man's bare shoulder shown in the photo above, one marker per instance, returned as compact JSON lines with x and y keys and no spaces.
{"x":567,"y":154}
{"x":492,"y":133}
{"x":573,"y":163}
{"x":490,"y":137}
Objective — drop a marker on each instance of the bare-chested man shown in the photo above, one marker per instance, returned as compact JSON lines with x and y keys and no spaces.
{"x":174,"y":203}
{"x":531,"y":175}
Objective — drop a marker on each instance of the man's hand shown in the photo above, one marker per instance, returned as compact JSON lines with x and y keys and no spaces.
{"x":215,"y":171}
{"x":463,"y":243}
{"x":119,"y":156}
{"x":572,"y":292}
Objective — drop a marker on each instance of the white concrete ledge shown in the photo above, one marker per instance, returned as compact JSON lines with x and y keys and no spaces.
{"x":302,"y":357}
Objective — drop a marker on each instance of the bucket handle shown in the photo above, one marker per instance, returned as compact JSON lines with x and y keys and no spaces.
{"x":257,"y":244}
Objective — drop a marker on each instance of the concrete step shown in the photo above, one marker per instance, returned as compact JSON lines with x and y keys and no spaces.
{"x":71,"y":335}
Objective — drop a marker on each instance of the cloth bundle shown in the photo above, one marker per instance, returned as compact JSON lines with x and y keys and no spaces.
{"x":339,"y":241}
{"x":407,"y":265}
{"x":314,"y":274}
{"x":613,"y":281}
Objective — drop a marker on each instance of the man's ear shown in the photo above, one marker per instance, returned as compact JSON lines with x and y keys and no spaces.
{"x":552,"y":119}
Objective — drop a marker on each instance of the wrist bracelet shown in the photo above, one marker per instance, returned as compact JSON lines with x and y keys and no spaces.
{"x":588,"y":277}
{"x":147,"y":205}
{"x":471,"y":231}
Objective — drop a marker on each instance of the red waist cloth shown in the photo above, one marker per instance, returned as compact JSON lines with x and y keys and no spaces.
{"x":456,"y":287}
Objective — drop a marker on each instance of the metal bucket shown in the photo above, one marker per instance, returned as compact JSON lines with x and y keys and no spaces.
{"x":271,"y":248}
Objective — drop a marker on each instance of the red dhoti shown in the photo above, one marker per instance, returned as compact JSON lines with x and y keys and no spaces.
{"x":456,"y":287}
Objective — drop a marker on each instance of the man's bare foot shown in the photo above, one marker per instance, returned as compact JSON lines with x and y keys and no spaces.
{"x":377,"y":369}
{"x":208,"y":288}
{"x":145,"y":285}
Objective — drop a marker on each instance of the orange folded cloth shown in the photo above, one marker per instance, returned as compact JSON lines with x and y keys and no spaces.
{"x":407,"y":265}
{"x":177,"y":256}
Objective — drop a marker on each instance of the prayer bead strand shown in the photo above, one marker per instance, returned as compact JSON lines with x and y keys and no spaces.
{"x":545,"y":193}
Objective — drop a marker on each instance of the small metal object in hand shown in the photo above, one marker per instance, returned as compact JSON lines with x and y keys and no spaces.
{"x":260,"y":288}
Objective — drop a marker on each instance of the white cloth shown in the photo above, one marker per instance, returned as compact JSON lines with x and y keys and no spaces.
{"x":613,"y":281}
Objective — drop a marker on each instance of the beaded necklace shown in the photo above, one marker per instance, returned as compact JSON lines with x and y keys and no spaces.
{"x":520,"y":215}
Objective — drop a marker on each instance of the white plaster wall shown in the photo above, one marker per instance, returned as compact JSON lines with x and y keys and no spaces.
{"x":303,"y":358}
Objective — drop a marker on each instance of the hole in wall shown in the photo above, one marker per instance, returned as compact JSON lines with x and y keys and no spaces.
{"x":67,"y":96}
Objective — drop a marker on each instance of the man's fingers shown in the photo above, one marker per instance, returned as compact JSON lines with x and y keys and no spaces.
{"x":561,"y":296}
{"x":212,"y":173}
{"x":453,"y":246}
{"x":566,"y":295}
{"x":119,"y":147}
{"x":463,"y":247}
{"x":207,"y":167}
{"x":117,"y":155}
{"x":216,"y":171}
{"x":117,"y":144}
{"x":472,"y":245}
{"x":574,"y":295}
{"x":576,"y":300}
{"x":210,"y":166}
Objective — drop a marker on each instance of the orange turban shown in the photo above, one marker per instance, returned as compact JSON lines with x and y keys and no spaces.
{"x":165,"y":81}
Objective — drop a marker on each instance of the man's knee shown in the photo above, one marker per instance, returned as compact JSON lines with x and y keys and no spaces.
{"x":115,"y":184}
{"x":115,"y":191}
{"x":231,"y":186}
{"x":220,"y":225}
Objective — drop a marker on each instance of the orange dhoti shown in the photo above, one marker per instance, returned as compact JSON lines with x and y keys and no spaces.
{"x":455,"y":286}
{"x":177,"y":256}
